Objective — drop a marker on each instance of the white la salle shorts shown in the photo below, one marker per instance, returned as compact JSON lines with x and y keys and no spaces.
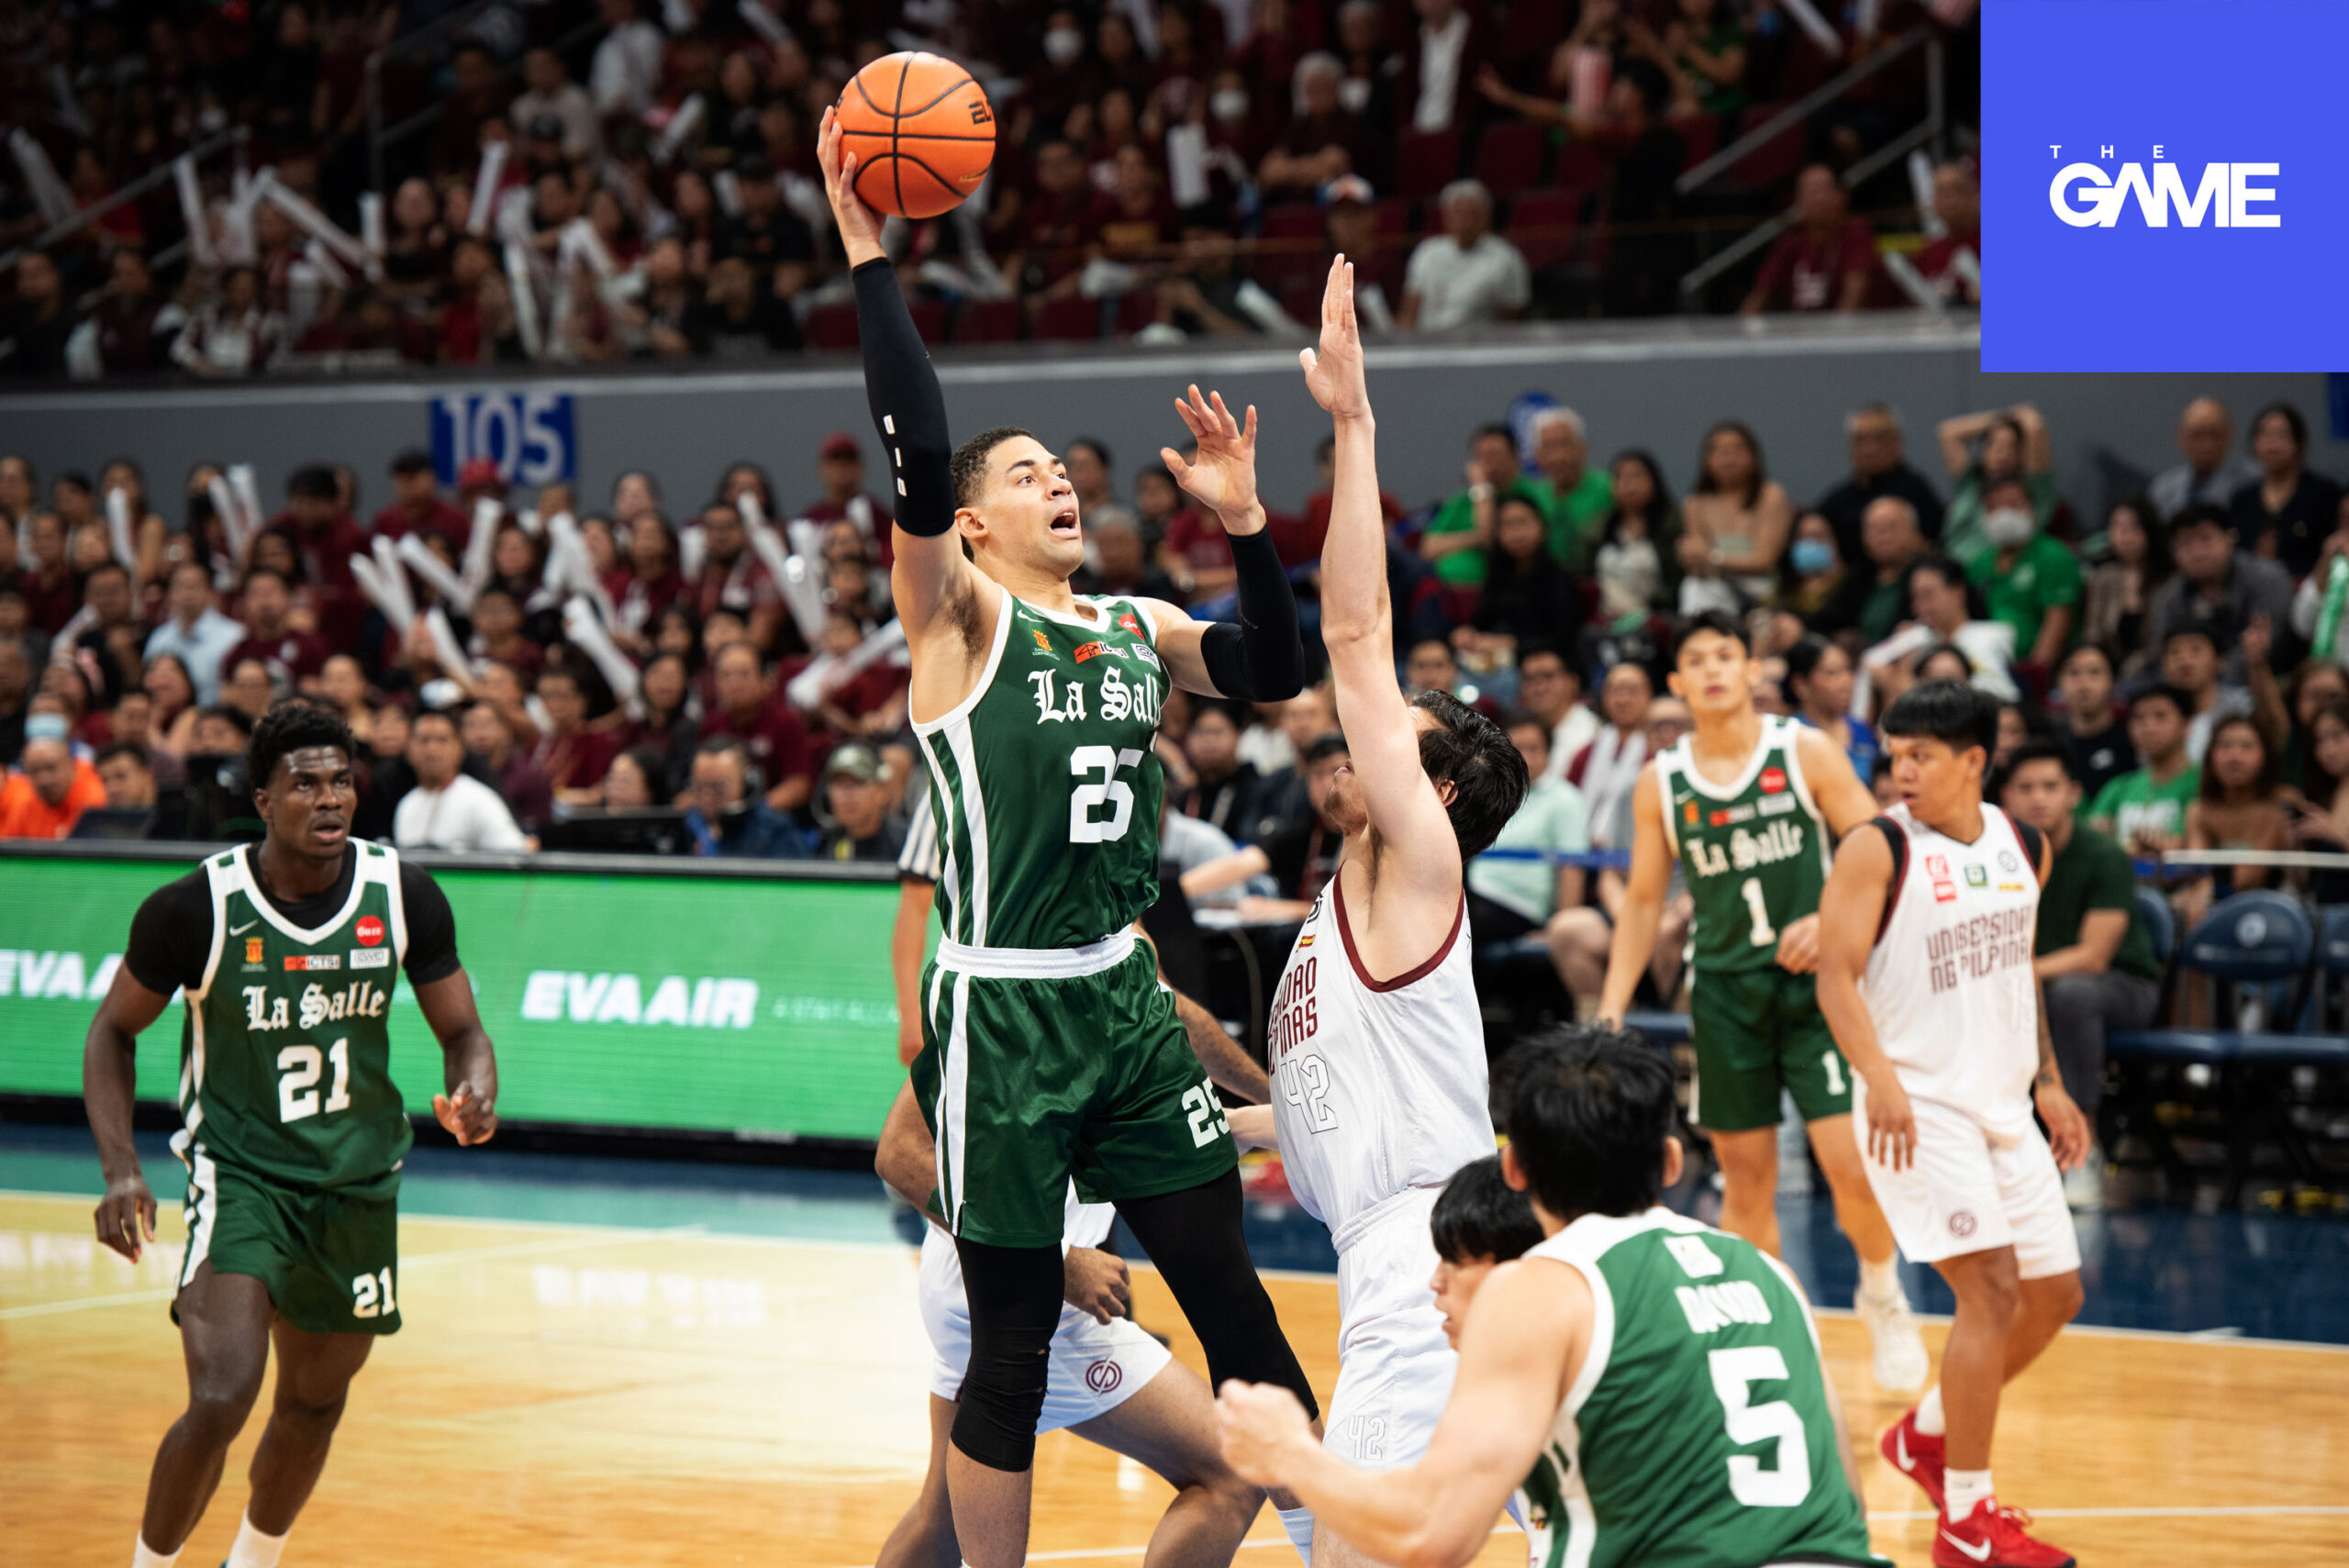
{"x":1971,"y":1189}
{"x":1395,"y":1367}
{"x":1094,"y":1367}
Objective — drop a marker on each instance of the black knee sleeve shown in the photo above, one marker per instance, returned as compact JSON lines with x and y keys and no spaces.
{"x":1015,"y":1297}
{"x":1194,"y":1238}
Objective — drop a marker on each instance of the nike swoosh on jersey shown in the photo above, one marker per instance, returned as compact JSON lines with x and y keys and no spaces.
{"x":240,"y":930}
{"x":1979,"y":1554}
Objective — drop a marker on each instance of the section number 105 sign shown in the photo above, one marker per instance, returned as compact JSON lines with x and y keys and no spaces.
{"x":529,"y":435}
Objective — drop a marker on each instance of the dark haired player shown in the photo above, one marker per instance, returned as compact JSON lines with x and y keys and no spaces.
{"x":1746,"y":802}
{"x":1935,"y":911}
{"x":1650,"y":1388}
{"x":1479,"y":1222}
{"x":1376,"y":1045}
{"x":1049,"y":1048}
{"x":287,"y":952}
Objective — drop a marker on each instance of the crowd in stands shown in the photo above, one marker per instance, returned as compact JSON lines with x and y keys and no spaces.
{"x":637,"y":180}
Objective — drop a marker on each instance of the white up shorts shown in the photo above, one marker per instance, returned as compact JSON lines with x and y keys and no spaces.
{"x":1096,"y":1367}
{"x":1972,"y":1189}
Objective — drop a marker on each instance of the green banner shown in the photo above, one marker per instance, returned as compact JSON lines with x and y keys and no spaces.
{"x":751,"y":1005}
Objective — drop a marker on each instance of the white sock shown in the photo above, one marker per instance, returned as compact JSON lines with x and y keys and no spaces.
{"x":254,"y":1549}
{"x":1962,"y":1489}
{"x":1880,"y":1279}
{"x":1930,"y":1419}
{"x":146,"y":1556}
{"x":1298,"y":1522}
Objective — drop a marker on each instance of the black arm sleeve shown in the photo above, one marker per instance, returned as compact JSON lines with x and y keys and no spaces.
{"x":908,"y":410}
{"x":170,"y":937}
{"x":1261,"y":659}
{"x":431,"y":927}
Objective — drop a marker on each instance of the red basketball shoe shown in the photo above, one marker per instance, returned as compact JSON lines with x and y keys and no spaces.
{"x":1993,"y":1537}
{"x":1915,"y":1455}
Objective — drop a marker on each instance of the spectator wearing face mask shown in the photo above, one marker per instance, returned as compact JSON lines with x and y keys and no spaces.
{"x":2028,"y":581}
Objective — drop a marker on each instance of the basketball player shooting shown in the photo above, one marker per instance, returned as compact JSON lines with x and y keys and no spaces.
{"x":1377,"y":1044}
{"x":1049,"y":1048}
{"x":1935,"y":908}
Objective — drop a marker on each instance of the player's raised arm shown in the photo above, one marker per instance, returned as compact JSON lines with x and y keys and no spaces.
{"x":1261,"y":658}
{"x":125,"y":1215}
{"x":1642,"y":907}
{"x":929,"y":580}
{"x":1849,"y":908}
{"x":1358,"y":622}
{"x":1529,"y":1323}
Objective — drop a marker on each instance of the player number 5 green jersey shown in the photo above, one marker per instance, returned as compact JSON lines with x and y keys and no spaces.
{"x":1754,"y":850}
{"x":1697,"y":1433}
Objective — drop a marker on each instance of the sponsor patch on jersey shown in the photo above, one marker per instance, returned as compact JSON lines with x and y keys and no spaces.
{"x":372,"y":958}
{"x":1728,"y":813}
{"x":1089,"y":650}
{"x":1041,"y":641}
{"x":297,"y":961}
{"x":1147,"y":655}
{"x":1774,"y":780}
{"x":1775,"y":805}
{"x":2008,"y":862}
{"x":1977,"y":876}
{"x":1944,"y":887}
{"x":1128,"y":621}
{"x":370,"y":932}
{"x":1305,"y":941}
{"x":1688,"y":811}
{"x":252,"y":950}
{"x":2012,"y":887}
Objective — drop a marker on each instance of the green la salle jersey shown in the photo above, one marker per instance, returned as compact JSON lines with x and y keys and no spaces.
{"x":1045,"y":789}
{"x":1756,"y":851}
{"x":286,"y":1057}
{"x":1698,"y":1432}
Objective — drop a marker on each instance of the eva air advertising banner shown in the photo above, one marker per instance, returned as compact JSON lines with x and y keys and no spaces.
{"x":751,"y":1005}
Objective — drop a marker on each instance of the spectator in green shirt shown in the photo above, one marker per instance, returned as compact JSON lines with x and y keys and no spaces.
{"x":1507,"y":896}
{"x":2092,"y":955}
{"x":1994,"y":444}
{"x":1461,"y":530}
{"x":2145,"y":809}
{"x":2030,"y":582}
{"x":1580,"y":496}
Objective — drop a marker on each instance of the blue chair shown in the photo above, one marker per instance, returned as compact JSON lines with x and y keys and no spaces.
{"x":2161,"y":924}
{"x":1664,"y":1029}
{"x":2257,"y":939}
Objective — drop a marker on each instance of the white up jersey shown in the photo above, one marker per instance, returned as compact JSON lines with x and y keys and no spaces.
{"x":1378,"y":1086}
{"x":1950,"y":984}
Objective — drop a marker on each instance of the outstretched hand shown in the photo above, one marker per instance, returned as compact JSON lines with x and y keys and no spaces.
{"x":860,"y":225}
{"x":1223,"y":478}
{"x":1334,"y":375}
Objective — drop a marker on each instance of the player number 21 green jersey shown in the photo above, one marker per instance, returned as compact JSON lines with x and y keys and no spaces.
{"x":1697,"y":1433}
{"x":1045,"y":790}
{"x":1754,"y":850}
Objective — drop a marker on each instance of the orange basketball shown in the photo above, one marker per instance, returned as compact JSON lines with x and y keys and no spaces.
{"x":921,"y":131}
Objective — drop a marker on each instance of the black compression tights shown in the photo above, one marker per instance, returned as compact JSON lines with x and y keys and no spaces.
{"x":1194,"y":1237}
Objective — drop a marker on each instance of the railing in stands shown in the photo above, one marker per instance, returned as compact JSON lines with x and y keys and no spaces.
{"x":1694,"y":282}
{"x":153,"y":179}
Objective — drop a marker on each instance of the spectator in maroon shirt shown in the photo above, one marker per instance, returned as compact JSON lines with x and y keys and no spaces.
{"x":52,"y":592}
{"x":1323,"y":141}
{"x":746,"y":711}
{"x":840,"y":464}
{"x":291,"y":656}
{"x":1826,"y":262}
{"x":519,"y":779}
{"x":1063,"y":218}
{"x":416,"y":506}
{"x":1957,"y":202}
{"x":497,"y":635}
{"x":324,"y":536}
{"x":574,"y":757}
{"x":135,"y":323}
{"x":733,"y":579}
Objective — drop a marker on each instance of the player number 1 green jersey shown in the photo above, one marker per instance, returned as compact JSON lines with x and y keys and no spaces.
{"x":1756,"y":851}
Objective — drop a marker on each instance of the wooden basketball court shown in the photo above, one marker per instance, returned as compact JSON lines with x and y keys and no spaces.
{"x":575,"y":1394}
